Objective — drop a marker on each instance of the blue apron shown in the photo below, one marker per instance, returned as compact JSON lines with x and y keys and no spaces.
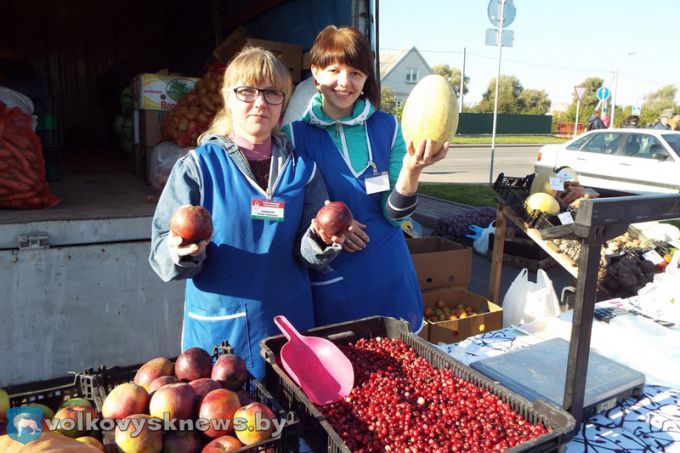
{"x":381,"y":279}
{"x":250,"y":273}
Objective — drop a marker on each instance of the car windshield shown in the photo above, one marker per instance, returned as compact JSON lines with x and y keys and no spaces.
{"x":674,"y":141}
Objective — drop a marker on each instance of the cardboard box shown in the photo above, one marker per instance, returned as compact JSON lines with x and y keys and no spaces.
{"x":488,"y":316}
{"x":150,"y":127}
{"x":161,"y":92}
{"x":440,"y":263}
{"x":290,"y":54}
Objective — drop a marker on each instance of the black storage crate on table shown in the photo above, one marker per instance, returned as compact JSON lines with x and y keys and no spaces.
{"x":107,"y":378}
{"x":319,"y":434}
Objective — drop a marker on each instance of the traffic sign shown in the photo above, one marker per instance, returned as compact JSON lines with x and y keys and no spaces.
{"x":636,"y":110}
{"x":603,"y":93}
{"x":507,"y":39}
{"x":494,"y":12}
{"x":580,"y":91}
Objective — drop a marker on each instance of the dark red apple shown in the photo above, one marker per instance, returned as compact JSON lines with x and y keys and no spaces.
{"x":231,"y":370}
{"x":182,"y":442}
{"x":220,"y":404}
{"x":72,"y":418}
{"x":222,"y":444}
{"x":192,"y":223}
{"x":192,"y":364}
{"x":334,"y":218}
{"x":160,"y":382}
{"x":204,"y":386}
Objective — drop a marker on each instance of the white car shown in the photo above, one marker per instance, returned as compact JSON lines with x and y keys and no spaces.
{"x":634,"y":161}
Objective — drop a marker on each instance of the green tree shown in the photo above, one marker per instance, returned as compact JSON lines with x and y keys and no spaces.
{"x":656,"y":102}
{"x":509,"y":91}
{"x":534,"y":102}
{"x":388,"y":103}
{"x":452,"y":75}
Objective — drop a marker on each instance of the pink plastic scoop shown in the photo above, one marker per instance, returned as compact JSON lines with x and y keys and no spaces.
{"x":317,"y":365}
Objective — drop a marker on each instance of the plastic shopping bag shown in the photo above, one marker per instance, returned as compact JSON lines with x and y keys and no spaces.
{"x":481,"y":237}
{"x":526,"y":301}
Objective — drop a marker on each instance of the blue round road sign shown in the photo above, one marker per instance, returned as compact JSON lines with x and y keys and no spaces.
{"x":603,"y":93}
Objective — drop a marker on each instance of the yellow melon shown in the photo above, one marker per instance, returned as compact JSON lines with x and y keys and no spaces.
{"x":430,"y":112}
{"x":542,"y":202}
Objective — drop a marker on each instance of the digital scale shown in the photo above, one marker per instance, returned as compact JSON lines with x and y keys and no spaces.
{"x":539,"y":372}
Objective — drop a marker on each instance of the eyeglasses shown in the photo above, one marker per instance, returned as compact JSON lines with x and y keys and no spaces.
{"x":249,"y":94}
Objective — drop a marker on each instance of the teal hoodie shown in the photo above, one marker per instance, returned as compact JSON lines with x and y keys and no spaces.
{"x":349,"y":136}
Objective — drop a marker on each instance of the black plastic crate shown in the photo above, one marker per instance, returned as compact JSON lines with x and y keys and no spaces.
{"x":54,"y":392}
{"x":106,"y":378}
{"x":322,"y":437}
{"x":512,"y":192}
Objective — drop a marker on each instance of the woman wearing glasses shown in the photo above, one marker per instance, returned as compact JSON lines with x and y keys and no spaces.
{"x":262,"y":197}
{"x":365,"y":163}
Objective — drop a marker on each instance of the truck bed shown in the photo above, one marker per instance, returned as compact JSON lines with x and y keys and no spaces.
{"x":98,"y":186}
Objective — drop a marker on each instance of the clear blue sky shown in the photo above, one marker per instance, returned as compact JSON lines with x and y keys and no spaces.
{"x":557,"y":45}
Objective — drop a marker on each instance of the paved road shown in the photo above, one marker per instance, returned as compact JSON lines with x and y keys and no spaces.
{"x":470,"y":164}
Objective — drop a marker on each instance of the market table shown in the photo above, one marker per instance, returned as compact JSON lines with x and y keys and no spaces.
{"x":647,"y":423}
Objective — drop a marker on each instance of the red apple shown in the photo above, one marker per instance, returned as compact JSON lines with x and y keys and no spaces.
{"x":160,"y":382}
{"x":192,"y":364}
{"x":334,"y":218}
{"x":231,"y":370}
{"x":254,"y":423}
{"x":191,"y":223}
{"x":77,"y":402}
{"x":139,"y":437}
{"x":204,"y":386}
{"x":222,"y":444}
{"x":73,"y":417}
{"x":176,"y":400}
{"x":218,"y":405}
{"x":125,"y":399}
{"x":153,"y":369}
{"x":182,"y":442}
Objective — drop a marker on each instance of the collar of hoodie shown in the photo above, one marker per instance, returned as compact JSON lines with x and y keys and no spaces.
{"x":362,"y":111}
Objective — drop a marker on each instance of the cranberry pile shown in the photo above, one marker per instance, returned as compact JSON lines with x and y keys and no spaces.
{"x":400,"y":402}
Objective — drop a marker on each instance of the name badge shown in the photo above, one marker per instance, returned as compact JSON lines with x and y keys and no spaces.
{"x":267,"y":210}
{"x":377,"y":183}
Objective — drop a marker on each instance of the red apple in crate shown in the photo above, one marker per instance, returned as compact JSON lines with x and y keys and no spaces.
{"x":192,"y":223}
{"x":124,"y":400}
{"x":203,"y":386}
{"x":182,"y":442}
{"x":231,"y":370}
{"x":153,"y":369}
{"x":334,"y":218}
{"x":219,"y":404}
{"x":91,"y":441}
{"x":139,"y":438}
{"x":161,"y":381}
{"x":73,"y":417}
{"x":176,"y":400}
{"x":222,"y":444}
{"x":192,"y":364}
{"x":256,"y":421}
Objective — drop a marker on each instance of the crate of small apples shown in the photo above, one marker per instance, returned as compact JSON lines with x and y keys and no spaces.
{"x":453,"y":314}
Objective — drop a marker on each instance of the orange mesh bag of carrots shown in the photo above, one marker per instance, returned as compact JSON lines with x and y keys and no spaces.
{"x":22,"y":165}
{"x":194,"y":112}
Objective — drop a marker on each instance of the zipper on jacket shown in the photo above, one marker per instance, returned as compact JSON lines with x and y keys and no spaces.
{"x":337,"y":130}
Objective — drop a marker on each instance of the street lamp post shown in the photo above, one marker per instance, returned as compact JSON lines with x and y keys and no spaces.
{"x":616,"y":87}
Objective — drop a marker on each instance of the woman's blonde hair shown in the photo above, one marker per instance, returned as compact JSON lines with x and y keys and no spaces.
{"x":252,"y":66}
